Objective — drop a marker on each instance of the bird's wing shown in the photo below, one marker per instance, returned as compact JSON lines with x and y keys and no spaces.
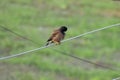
{"x":53,"y":35}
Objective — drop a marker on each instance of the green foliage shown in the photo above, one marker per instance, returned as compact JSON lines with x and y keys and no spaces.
{"x":36,"y":19}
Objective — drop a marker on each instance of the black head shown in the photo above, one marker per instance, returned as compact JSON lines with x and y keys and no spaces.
{"x":63,"y":28}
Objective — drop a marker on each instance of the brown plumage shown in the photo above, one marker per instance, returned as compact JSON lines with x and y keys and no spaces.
{"x":57,"y":35}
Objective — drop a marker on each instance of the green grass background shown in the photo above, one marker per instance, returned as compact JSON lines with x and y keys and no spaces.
{"x":36,"y":19}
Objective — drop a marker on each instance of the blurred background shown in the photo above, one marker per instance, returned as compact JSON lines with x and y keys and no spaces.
{"x":36,"y":19}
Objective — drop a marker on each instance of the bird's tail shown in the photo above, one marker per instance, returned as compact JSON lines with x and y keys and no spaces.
{"x":47,"y":44}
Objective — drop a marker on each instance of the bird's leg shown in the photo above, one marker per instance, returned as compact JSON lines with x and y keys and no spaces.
{"x":56,"y":42}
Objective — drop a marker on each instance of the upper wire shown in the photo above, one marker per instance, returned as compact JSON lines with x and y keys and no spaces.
{"x":89,"y":32}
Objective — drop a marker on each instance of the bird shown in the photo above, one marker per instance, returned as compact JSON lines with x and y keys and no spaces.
{"x":57,"y":35}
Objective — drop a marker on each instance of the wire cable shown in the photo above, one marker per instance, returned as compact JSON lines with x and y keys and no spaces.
{"x":116,"y":78}
{"x":85,"y":60}
{"x":89,"y":32}
{"x":43,"y":47}
{"x":13,"y":32}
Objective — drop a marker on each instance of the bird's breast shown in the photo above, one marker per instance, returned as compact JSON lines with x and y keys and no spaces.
{"x":58,"y":37}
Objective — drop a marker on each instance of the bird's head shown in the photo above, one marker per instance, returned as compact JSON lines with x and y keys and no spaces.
{"x":63,"y":28}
